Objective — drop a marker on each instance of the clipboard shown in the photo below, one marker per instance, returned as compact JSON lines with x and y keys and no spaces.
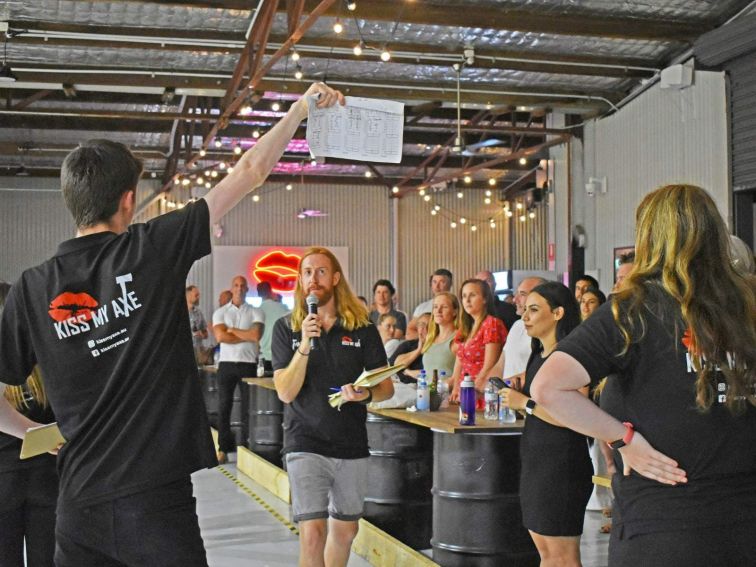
{"x":367,"y":379}
{"x":39,"y":440}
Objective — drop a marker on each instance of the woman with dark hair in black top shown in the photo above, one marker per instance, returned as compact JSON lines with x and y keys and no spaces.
{"x":678,"y":344}
{"x":555,"y":477}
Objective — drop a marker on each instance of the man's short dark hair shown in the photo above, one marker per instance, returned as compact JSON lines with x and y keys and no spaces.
{"x":628,"y":258}
{"x":590,"y":279}
{"x":385,"y":283}
{"x":190,"y":288}
{"x":94,"y":177}
{"x":264,"y":290}
{"x":442,"y":272}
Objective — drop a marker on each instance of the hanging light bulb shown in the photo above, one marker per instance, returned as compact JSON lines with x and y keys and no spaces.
{"x":492,"y":224}
{"x":467,"y":179}
{"x":298,"y":73}
{"x":276,"y":106}
{"x":222,"y":165}
{"x":488,"y":192}
{"x":289,"y":187}
{"x":421,"y":192}
{"x":218,"y":143}
{"x":255,"y":134}
{"x":313,"y":162}
{"x":433,"y":212}
{"x":487,"y":200}
{"x":246,"y":109}
{"x":207,"y":173}
{"x":237,"y":149}
{"x":338,"y":26}
{"x":203,"y":152}
{"x":523,"y":161}
{"x":453,"y":224}
{"x":531,"y":214}
{"x":385,"y":55}
{"x":426,"y":198}
{"x":519,"y":206}
{"x":294,"y":55}
{"x":230,"y":169}
{"x":357,"y":49}
{"x":213,"y":174}
{"x":208,"y":184}
{"x":460,"y":194}
{"x":508,"y":213}
{"x":492,"y":181}
{"x":185,"y":182}
{"x":368,"y":174}
{"x":256,"y":198}
{"x":436,"y":207}
{"x":473,"y":228}
{"x":395,"y":189}
{"x":522,"y":218}
{"x":200,"y":180}
{"x":463,"y":220}
{"x":177,"y":181}
{"x":351,"y":6}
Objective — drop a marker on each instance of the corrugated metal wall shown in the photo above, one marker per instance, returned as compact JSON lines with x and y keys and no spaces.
{"x":32,"y":223}
{"x":742,"y":73}
{"x":427,"y":242}
{"x":529,"y":238}
{"x":664,"y":136}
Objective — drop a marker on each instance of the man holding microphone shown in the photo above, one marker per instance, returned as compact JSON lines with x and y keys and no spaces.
{"x":326,"y":449}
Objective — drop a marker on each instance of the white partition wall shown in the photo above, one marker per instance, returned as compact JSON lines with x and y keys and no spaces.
{"x":664,"y":136}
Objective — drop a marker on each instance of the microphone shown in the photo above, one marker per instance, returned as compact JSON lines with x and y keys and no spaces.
{"x":312,"y":309}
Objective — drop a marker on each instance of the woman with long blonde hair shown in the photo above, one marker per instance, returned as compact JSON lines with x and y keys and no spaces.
{"x":678,"y":342}
{"x":29,"y":488}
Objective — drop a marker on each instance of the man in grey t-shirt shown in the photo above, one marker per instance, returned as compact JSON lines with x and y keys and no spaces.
{"x":196,"y":318}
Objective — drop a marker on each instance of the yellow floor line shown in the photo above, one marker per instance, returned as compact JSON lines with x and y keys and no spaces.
{"x":291,"y":527}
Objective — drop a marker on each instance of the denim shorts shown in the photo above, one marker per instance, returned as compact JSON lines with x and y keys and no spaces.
{"x":324,"y":486}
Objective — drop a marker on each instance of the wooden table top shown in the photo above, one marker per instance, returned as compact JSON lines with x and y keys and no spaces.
{"x":443,"y":420}
{"x":447,"y":420}
{"x":262,"y":382}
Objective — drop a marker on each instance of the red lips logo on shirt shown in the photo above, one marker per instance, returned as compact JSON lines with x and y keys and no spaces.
{"x":69,"y":304}
{"x":279,"y":269}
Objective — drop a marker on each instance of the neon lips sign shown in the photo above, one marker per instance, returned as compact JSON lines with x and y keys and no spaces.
{"x":278,"y":268}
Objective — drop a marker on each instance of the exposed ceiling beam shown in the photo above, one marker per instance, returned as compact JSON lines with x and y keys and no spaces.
{"x":31,"y":99}
{"x":539,"y":21}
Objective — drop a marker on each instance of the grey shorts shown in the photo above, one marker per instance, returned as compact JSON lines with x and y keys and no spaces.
{"x":324,"y":486}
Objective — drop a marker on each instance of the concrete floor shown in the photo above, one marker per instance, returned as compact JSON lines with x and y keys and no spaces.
{"x":240,"y":531}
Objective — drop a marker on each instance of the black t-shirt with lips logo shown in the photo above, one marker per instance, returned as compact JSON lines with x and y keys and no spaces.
{"x":311,"y":425}
{"x":652,"y":386}
{"x":105,"y":318}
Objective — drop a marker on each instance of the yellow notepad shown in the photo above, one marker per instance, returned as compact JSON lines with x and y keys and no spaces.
{"x":367,"y":379}
{"x":42,"y":439}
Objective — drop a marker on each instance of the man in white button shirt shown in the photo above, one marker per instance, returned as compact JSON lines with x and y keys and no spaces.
{"x":237,"y":327}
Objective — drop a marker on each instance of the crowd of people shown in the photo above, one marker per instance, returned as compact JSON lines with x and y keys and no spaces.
{"x":101,"y":336}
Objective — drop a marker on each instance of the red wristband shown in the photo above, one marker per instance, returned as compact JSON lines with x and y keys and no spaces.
{"x":626,"y":438}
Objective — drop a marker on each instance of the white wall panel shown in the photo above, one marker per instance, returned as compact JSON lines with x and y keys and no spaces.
{"x":664,"y":136}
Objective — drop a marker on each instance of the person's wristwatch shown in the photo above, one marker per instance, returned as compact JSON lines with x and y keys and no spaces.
{"x":626,"y":438}
{"x":530,"y":406}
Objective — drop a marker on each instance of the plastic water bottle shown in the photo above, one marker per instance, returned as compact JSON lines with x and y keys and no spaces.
{"x":506,"y":415}
{"x":443,"y":390}
{"x":467,"y":402}
{"x":423,"y":395}
{"x":260,"y":367}
{"x":491,"y":411}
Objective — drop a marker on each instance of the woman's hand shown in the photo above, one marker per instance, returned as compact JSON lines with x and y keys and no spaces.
{"x":641,"y":457}
{"x":513,"y":399}
{"x":517,"y":381}
{"x":326,"y":97}
{"x":454,"y":396}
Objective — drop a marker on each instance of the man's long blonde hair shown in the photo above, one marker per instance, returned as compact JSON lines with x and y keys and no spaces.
{"x":682,"y":261}
{"x":351,"y":311}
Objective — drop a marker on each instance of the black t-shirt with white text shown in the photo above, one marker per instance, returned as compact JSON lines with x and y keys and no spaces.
{"x":105,"y":318}
{"x":311,"y":425}
{"x":653,"y":387}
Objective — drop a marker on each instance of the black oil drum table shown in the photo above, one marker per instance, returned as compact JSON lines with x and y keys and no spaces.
{"x":210,"y":392}
{"x":477,"y":520}
{"x":265,"y":419}
{"x":400,"y":475}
